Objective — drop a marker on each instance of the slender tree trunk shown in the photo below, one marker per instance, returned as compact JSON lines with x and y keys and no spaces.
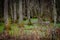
{"x":15,"y":15}
{"x":24,"y":8}
{"x":31,"y":7}
{"x":55,"y":17}
{"x":7,"y":25}
{"x":28,"y":12}
{"x":55,"y":12}
{"x":20,"y":12}
{"x":6,"y":12}
{"x":40,"y":12}
{"x":28,"y":9}
{"x":35,"y":8}
{"x":11,"y":9}
{"x":41,"y":8}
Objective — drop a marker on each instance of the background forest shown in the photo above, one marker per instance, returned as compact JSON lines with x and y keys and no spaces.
{"x":29,"y":20}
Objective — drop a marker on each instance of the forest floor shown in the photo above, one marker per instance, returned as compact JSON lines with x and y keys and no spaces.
{"x":29,"y":32}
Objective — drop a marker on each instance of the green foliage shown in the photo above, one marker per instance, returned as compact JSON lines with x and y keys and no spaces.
{"x":8,"y":25}
{"x":58,"y":25}
{"x":14,"y":30}
{"x":1,"y":27}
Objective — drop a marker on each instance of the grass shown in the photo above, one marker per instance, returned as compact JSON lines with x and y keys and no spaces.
{"x":33,"y":20}
{"x":58,"y":25}
{"x":1,"y":27}
{"x":15,"y":29}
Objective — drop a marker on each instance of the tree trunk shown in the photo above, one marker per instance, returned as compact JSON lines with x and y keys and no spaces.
{"x":11,"y":9}
{"x":55,"y":17}
{"x":55,"y":13}
{"x":15,"y":15}
{"x":6,"y":20}
{"x":28,"y":9}
{"x":20,"y":12}
{"x":28,"y":12}
{"x":24,"y":9}
{"x":40,"y":14}
{"x":6,"y":12}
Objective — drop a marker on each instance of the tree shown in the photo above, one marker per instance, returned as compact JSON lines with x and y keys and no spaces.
{"x":40,"y":11}
{"x":28,"y":12}
{"x":24,"y":8}
{"x":28,"y":9}
{"x":6,"y":20}
{"x":20,"y":13}
{"x":35,"y":8}
{"x":11,"y":9}
{"x":55,"y":17}
{"x":55,"y":12}
{"x":15,"y":15}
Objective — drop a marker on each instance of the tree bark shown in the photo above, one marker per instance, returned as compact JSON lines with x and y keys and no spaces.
{"x":55,"y":17}
{"x":6,"y":11}
{"x":40,"y":14}
{"x":15,"y":15}
{"x":55,"y":12}
{"x":20,"y":12}
{"x":6,"y":20}
{"x":28,"y":9}
{"x":11,"y":9}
